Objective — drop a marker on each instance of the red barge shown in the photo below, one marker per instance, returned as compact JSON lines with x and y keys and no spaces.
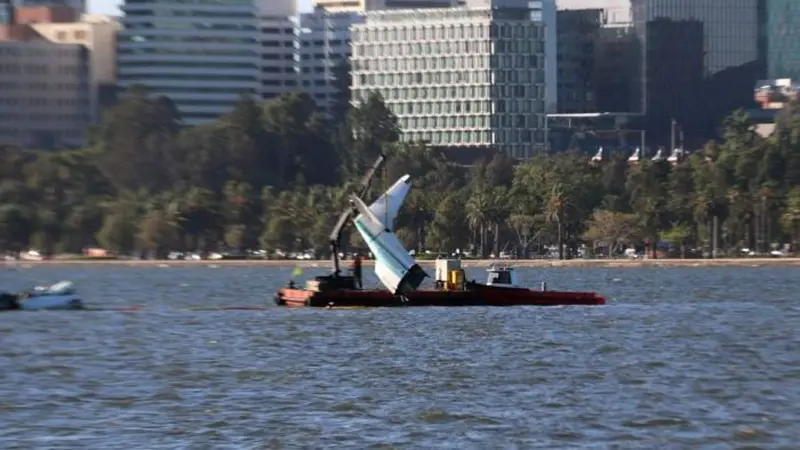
{"x":501,"y":289}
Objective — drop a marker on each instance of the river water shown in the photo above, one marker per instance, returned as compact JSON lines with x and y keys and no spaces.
{"x":679,"y":358}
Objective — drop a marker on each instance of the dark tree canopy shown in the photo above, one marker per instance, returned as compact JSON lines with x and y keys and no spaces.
{"x":274,"y":175}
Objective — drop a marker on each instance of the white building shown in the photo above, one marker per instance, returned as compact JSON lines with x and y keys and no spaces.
{"x":323,"y":44}
{"x":374,"y":5}
{"x":278,"y":35}
{"x":202,"y":55}
{"x":460,"y":77}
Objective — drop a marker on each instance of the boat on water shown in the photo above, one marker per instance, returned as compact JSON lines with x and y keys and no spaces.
{"x":60,"y":296}
{"x":502,"y":288}
{"x":402,"y":276}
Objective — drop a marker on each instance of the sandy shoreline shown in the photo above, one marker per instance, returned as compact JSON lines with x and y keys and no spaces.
{"x":732,"y":262}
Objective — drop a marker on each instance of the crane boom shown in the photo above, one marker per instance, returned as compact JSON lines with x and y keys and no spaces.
{"x":347,"y":214}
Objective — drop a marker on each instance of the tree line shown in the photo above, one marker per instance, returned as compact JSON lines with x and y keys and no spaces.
{"x":275,"y":175}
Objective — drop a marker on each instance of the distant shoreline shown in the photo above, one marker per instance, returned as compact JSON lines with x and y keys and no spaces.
{"x":467,"y":263}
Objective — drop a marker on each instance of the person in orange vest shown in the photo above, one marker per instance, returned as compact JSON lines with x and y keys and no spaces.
{"x":357,"y":270}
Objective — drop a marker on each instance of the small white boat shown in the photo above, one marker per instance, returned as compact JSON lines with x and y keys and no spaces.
{"x":61,"y":295}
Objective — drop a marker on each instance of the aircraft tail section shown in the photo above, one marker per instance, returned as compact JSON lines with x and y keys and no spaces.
{"x":394,"y":267}
{"x":386,"y":207}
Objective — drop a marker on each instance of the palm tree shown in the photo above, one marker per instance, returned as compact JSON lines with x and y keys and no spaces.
{"x":478,"y":207}
{"x":557,"y":203}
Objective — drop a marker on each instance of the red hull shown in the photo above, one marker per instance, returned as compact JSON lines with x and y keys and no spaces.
{"x":477,"y":295}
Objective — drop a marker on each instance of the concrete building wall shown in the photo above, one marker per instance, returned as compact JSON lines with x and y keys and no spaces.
{"x":44,"y":94}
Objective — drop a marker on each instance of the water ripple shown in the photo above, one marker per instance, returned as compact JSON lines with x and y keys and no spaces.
{"x":681,"y":357}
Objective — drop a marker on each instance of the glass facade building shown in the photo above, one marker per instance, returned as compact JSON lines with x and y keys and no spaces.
{"x":461,"y":77}
{"x":731,"y":28}
{"x":783,"y":39}
{"x":726,"y":35}
{"x":691,"y":60}
{"x":202,"y":54}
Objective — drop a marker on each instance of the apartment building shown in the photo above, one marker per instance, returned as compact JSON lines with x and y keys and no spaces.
{"x":457,"y":78}
{"x":44,"y":94}
{"x":203,"y":55}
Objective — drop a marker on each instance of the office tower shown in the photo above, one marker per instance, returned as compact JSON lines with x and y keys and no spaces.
{"x":456,"y":78}
{"x":278,"y":35}
{"x":203,"y":55}
{"x":374,"y":5}
{"x":323,"y":49}
{"x":45,"y":84}
{"x":44,"y":94}
{"x":98,"y":34}
{"x":692,"y":61}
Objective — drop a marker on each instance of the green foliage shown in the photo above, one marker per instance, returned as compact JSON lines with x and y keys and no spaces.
{"x":276,"y":175}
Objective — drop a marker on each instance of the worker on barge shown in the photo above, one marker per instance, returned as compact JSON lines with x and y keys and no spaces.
{"x":357,"y":270}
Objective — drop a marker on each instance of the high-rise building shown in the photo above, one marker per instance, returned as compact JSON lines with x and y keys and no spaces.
{"x":783,"y":38}
{"x":278,"y":35}
{"x":732,"y":50}
{"x":203,"y":55}
{"x":692,"y":61}
{"x":98,"y":34}
{"x":730,"y":28}
{"x":46,"y":79}
{"x":577,"y":35}
{"x":456,"y":78}
{"x":323,"y":50}
{"x":374,"y":5}
{"x":44,"y":94}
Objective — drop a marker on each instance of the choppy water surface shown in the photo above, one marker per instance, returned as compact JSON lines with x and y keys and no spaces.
{"x":681,"y":357}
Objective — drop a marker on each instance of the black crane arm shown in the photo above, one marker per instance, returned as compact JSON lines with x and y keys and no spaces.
{"x":344,"y":218}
